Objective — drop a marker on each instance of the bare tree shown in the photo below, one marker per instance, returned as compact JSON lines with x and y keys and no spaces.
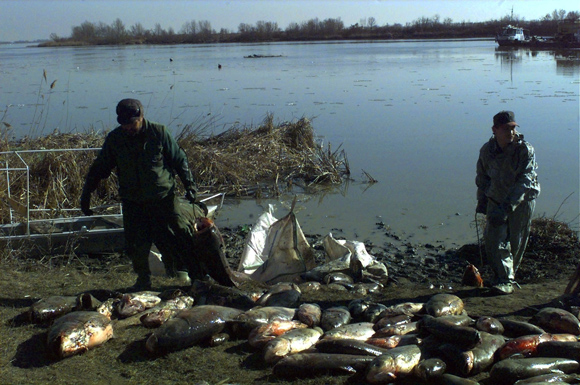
{"x":372,"y":22}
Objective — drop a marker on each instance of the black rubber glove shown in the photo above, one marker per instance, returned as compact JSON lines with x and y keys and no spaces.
{"x":86,"y":204}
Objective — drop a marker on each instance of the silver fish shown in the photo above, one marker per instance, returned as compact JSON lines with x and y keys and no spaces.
{"x":511,"y":370}
{"x":359,"y":331}
{"x":312,"y":364}
{"x":77,"y":332}
{"x":395,"y":340}
{"x":260,"y":315}
{"x":348,"y":346}
{"x":293,"y":341}
{"x":393,"y":365}
{"x":190,"y":327}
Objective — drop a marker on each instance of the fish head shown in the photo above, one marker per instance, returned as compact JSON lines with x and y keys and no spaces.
{"x":382,"y":370}
{"x":276,"y":349}
{"x":69,"y":342}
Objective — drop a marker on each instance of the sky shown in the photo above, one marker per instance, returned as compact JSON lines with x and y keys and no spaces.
{"x":38,"y":19}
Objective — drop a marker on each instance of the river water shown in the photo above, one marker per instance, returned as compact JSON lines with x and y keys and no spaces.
{"x":412,"y":114}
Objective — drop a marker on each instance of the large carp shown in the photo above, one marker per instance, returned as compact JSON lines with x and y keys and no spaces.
{"x":555,"y":320}
{"x":513,"y":328}
{"x":393,"y":365}
{"x":166,"y":310}
{"x":293,"y":341}
{"x":358,"y":331}
{"x":209,"y":251}
{"x":564,"y":349}
{"x":511,"y":370}
{"x":309,"y":313}
{"x":524,"y":346}
{"x":349,"y":346}
{"x":77,"y":332}
{"x":334,"y":317}
{"x":190,"y":327}
{"x":473,"y":361}
{"x":312,"y":364}
{"x":134,"y":303}
{"x":50,"y":308}
{"x":261,"y":335}
{"x":444,"y":304}
{"x":261,"y":315}
{"x":463,"y":336}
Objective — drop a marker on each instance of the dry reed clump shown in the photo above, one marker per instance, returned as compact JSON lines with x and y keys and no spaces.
{"x":241,"y":162}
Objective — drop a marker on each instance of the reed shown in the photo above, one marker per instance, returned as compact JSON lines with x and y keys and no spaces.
{"x":242,"y":161}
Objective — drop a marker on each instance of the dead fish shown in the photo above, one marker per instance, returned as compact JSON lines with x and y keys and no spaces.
{"x":373,"y":312}
{"x":394,"y":341}
{"x":481,"y":357}
{"x":310,"y":314}
{"x":357,"y":308}
{"x":511,"y":370}
{"x":319,"y":272}
{"x":464,"y":336}
{"x":430,"y":370}
{"x":261,"y":335}
{"x":458,"y":319}
{"x":389,"y":321}
{"x":334,"y":317}
{"x":471,"y":276}
{"x":208,"y":293}
{"x":309,"y":286}
{"x":408,"y":308}
{"x":209,"y":251}
{"x":393,"y":365}
{"x":261,"y":315}
{"x":312,"y":364}
{"x":451,"y":379}
{"x":550,"y":378}
{"x":513,"y":328}
{"x":77,"y":332}
{"x":555,"y":320}
{"x":348,"y":346}
{"x":524,"y":346}
{"x":564,"y":349}
{"x":444,"y":304}
{"x":133,"y":303}
{"x":165,"y":310}
{"x":281,"y":294}
{"x":400,"y":329}
{"x":190,"y":327}
{"x":489,"y":324}
{"x":293,"y":341}
{"x":50,"y":308}
{"x":359,"y":331}
{"x":108,"y":307}
{"x":337,"y":277}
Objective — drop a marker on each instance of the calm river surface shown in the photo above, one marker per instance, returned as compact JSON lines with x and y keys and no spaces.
{"x":413,"y":114}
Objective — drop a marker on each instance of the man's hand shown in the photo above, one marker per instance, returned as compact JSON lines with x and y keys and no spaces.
{"x":86,"y":204}
{"x":190,"y":196}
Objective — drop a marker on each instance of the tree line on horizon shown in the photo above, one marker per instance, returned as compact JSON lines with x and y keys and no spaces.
{"x":192,"y":32}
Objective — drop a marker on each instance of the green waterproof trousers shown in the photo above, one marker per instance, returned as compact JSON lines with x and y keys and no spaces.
{"x":169,"y":224}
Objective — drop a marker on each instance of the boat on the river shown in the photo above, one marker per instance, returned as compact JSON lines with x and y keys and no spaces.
{"x":567,"y":37}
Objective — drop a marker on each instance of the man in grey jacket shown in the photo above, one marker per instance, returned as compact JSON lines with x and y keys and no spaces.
{"x":507,"y":186}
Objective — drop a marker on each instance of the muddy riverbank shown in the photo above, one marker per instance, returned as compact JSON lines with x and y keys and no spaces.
{"x":416,"y":273}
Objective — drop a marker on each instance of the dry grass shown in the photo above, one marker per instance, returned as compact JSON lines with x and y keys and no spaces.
{"x":241,"y":161}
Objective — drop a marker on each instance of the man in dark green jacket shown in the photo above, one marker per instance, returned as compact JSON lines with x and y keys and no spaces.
{"x":146,"y":159}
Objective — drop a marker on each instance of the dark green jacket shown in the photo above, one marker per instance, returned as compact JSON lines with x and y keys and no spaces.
{"x":146,"y":164}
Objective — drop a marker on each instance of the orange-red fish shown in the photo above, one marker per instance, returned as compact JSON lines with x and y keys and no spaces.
{"x":472,"y":277}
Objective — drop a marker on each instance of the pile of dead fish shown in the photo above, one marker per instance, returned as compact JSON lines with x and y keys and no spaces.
{"x":432,"y":342}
